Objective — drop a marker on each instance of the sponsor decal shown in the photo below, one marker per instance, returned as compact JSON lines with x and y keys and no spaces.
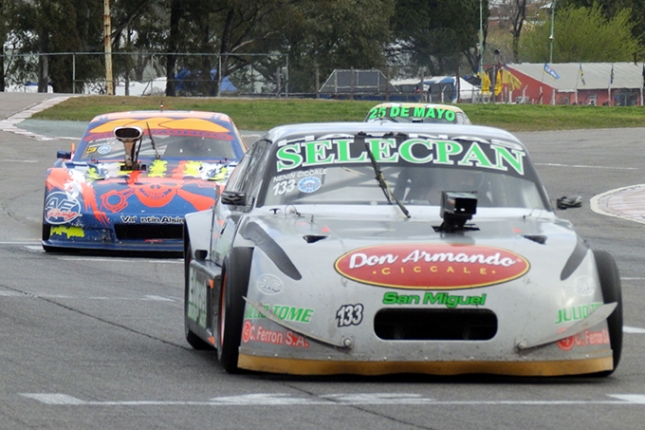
{"x":349,"y":315}
{"x":286,"y":313}
{"x":448,"y":300}
{"x":60,"y":208}
{"x":161,"y":220}
{"x":197,"y":300}
{"x":309,"y":184}
{"x":257,"y":333}
{"x":319,"y":154}
{"x":584,"y":338}
{"x":447,"y":115}
{"x":269,"y":284}
{"x":68,"y":232}
{"x":104,"y":149}
{"x":431,"y":266}
{"x":575,"y":313}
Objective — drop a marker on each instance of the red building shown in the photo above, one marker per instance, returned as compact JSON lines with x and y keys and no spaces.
{"x":614,"y":84}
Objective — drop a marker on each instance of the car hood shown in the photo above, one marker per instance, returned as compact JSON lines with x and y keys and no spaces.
{"x":102,"y":192}
{"x":360,"y":247}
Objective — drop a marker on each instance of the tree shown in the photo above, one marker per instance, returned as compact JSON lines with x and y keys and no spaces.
{"x":513,"y":11}
{"x":611,"y":8}
{"x":323,"y":35}
{"x":436,"y":34}
{"x":43,"y":27}
{"x":581,"y":34}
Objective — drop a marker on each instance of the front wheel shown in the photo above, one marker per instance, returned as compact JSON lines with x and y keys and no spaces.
{"x":235,"y":281}
{"x":611,"y":293}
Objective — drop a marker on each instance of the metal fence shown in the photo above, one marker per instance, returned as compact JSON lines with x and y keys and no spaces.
{"x":145,"y":73}
{"x":197,"y":75}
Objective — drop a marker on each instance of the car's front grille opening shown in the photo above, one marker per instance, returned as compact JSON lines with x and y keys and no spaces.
{"x":148,"y":231}
{"x":435,"y":324}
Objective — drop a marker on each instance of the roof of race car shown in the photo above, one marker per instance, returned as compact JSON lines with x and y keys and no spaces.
{"x":162,"y":113}
{"x":162,"y":119}
{"x":329,"y":129}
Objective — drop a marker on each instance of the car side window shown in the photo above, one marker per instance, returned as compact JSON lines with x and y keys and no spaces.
{"x":234,"y":180}
{"x":249,"y":172}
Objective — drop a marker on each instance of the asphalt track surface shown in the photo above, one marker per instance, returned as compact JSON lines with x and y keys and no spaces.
{"x":97,"y":342}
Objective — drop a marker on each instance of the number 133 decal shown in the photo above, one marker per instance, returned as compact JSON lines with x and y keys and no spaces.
{"x":349,"y":315}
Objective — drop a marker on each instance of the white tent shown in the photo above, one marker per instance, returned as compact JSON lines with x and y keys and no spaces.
{"x":440,"y":89}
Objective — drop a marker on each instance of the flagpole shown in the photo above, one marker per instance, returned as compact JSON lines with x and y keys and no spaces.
{"x":611,"y":78}
{"x":577,"y":80}
{"x":551,"y":36}
{"x":481,"y":50}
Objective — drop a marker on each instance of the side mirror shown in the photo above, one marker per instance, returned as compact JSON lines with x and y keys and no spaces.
{"x":233,"y":198}
{"x":65,"y":155}
{"x":565,"y":202}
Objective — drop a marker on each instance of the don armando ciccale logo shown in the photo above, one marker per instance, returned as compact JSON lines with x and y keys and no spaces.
{"x":431,"y":266}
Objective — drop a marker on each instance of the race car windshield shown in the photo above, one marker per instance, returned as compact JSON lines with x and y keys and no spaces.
{"x":417,"y":171}
{"x":169,"y":147}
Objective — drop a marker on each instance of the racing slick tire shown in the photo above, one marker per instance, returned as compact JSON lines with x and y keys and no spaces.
{"x":611,"y":293}
{"x":193,"y":340}
{"x":235,"y":281}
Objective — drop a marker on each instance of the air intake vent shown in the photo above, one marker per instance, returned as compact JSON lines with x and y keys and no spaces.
{"x":435,"y":324}
{"x":312,"y":238}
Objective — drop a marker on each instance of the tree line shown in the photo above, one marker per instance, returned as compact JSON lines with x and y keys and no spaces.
{"x":314,"y":37}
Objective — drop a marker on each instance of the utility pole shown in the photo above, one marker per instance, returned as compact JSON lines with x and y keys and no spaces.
{"x":108,"y":47}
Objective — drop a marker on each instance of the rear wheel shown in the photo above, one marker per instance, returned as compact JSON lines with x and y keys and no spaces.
{"x":195,"y":341}
{"x":235,"y":281}
{"x":611,"y":293}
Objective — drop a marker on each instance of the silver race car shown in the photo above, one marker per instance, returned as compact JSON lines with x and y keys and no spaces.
{"x":379,"y":248}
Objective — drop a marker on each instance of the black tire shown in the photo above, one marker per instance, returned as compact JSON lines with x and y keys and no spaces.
{"x":611,"y":293}
{"x":235,"y":281}
{"x":193,"y":339}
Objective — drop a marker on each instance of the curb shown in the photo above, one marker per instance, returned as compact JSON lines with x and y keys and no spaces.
{"x":9,"y":124}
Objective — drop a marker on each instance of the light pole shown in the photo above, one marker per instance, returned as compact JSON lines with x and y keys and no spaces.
{"x":481,"y":39}
{"x":551,"y":36}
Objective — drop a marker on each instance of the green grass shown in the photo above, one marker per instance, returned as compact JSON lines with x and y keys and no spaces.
{"x":262,"y":114}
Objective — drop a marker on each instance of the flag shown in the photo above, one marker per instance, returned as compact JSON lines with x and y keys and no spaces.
{"x":582,"y":75}
{"x":498,"y":83}
{"x":550,"y":71}
{"x":486,"y":83}
{"x":511,"y":79}
{"x":611,"y":75}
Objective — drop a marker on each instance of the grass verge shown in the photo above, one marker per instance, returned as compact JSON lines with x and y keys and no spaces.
{"x":262,"y":114}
